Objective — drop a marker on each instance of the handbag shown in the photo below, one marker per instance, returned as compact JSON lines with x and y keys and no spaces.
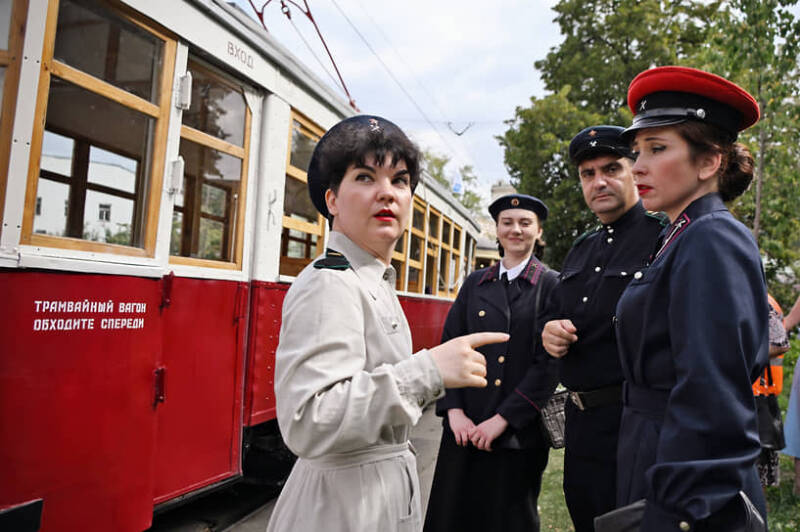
{"x":770,"y":423}
{"x":553,"y":419}
{"x":739,"y":515}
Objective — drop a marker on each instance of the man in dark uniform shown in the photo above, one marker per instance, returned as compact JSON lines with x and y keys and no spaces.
{"x":579,"y":330}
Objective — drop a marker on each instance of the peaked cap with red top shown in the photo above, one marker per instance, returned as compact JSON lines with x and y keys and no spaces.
{"x":669,"y":95}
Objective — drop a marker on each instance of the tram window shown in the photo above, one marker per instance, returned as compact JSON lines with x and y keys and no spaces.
{"x":5,"y":23}
{"x":100,"y":43}
{"x":208,"y":205}
{"x":208,"y":215}
{"x":430,"y":275}
{"x":2,"y":83}
{"x":418,"y":220}
{"x":105,"y":105}
{"x":399,"y":260}
{"x":414,"y":284}
{"x":217,"y":108}
{"x":415,"y":252}
{"x":433,"y":225}
{"x":444,"y":270}
{"x":303,"y":226}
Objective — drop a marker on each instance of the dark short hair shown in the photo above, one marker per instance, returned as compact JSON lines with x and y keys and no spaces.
{"x":349,"y":143}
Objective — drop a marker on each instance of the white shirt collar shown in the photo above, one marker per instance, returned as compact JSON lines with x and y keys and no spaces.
{"x":513,"y":272}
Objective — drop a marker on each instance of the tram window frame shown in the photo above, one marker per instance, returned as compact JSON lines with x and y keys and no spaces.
{"x":456,"y":255}
{"x":233,"y":223}
{"x":9,"y":61}
{"x":399,"y":257}
{"x":292,"y":266}
{"x":417,"y":266}
{"x":432,"y":252}
{"x":445,"y":254}
{"x":158,"y":112}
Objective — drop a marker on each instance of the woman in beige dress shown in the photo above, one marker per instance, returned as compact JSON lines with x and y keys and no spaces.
{"x":348,"y":388}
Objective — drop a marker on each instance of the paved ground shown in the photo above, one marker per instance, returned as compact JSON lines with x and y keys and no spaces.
{"x":425,"y":438}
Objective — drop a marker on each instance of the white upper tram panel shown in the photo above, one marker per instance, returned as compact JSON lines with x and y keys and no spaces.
{"x":151,"y":137}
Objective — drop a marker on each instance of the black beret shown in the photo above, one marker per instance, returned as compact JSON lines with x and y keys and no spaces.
{"x":669,"y":95}
{"x":518,"y":201}
{"x":598,"y":140}
{"x":365,"y":127}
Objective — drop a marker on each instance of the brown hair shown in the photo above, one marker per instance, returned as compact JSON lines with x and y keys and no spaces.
{"x":736,"y":167}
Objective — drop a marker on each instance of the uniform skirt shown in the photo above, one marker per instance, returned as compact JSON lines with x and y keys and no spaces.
{"x":373,"y":490}
{"x":476,"y":490}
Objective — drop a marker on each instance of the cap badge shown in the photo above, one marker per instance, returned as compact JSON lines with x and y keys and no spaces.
{"x":514,"y":202}
{"x":642,"y":105}
{"x":701,"y":113}
{"x":373,"y":125}
{"x":593,"y":143}
{"x":592,"y":133}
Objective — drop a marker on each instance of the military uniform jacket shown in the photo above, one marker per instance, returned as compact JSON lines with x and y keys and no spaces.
{"x":521,"y":376}
{"x":348,"y":389}
{"x":597,"y":269}
{"x":693,"y":336}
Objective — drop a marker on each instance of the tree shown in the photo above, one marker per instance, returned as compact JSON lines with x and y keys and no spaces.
{"x":757,"y":46}
{"x":435,"y":165}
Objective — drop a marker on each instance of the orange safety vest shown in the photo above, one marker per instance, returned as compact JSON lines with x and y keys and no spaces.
{"x":762,"y":386}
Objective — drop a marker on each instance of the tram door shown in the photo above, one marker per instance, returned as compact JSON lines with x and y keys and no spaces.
{"x":198,"y":434}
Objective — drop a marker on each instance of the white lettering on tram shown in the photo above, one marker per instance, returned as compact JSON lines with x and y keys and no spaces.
{"x":87,"y":306}
{"x":240,"y":54}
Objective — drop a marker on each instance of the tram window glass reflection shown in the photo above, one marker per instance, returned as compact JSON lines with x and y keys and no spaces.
{"x":5,"y":23}
{"x":399,"y":260}
{"x":101,"y":43}
{"x":208,"y":214}
{"x":105,"y":106}
{"x":303,"y":227}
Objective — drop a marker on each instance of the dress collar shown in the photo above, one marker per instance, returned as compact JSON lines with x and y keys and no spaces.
{"x":531,"y":272}
{"x":368,"y":268}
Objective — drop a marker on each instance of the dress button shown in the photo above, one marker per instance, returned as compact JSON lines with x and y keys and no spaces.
{"x":623,"y":273}
{"x":597,"y":268}
{"x":394,"y":325}
{"x":637,"y":275}
{"x":497,"y":382}
{"x":683,"y":525}
{"x":611,"y":230}
{"x":585,"y":299}
{"x":609,"y":240}
{"x":481,"y":313}
{"x":501,"y":359}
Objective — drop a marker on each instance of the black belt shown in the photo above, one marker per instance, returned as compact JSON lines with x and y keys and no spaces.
{"x":648,"y":400}
{"x":599,"y":397}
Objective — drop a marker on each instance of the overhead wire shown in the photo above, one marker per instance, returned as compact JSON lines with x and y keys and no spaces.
{"x":398,"y":83}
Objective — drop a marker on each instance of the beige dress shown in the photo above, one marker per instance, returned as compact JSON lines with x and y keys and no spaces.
{"x":348,"y":390}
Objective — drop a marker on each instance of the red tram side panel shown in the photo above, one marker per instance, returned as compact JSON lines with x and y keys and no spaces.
{"x":426,"y":319}
{"x":77,"y":413}
{"x":198,"y":440}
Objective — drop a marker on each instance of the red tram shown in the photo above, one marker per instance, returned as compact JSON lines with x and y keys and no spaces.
{"x":154,"y":212}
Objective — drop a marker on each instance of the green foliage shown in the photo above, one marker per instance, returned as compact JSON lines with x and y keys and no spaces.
{"x":605,"y":44}
{"x":436,"y":166}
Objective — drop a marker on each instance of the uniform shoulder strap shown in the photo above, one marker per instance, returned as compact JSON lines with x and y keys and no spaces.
{"x":660,"y":217}
{"x":586,"y":234}
{"x":333,"y":261}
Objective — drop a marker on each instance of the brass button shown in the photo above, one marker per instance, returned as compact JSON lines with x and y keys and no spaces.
{"x":597,"y":268}
{"x":609,"y":240}
{"x":623,"y":273}
{"x":637,"y":275}
{"x":501,"y":359}
{"x":683,"y":525}
{"x":585,"y":299}
{"x":481,"y":313}
{"x":497,"y":382}
{"x":611,"y":230}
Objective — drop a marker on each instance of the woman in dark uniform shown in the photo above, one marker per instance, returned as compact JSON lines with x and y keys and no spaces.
{"x":692,"y":327}
{"x":492,"y":454}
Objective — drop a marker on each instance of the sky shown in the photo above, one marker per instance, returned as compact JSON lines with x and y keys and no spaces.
{"x":460,"y":61}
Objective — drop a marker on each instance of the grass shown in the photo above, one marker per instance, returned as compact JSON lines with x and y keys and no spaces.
{"x":552,"y":507}
{"x":782,"y":504}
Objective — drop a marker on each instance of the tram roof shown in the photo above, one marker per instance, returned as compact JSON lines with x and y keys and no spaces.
{"x":250,"y":31}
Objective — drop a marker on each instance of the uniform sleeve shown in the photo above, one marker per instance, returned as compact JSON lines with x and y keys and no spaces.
{"x":522,"y":406}
{"x":718,"y":329}
{"x":455,"y":325}
{"x":326,"y":400}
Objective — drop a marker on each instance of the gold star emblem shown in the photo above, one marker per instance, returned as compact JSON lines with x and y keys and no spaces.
{"x":514,"y":202}
{"x":592,"y":133}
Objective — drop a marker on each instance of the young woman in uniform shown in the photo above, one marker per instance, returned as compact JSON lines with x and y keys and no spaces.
{"x":492,"y":454}
{"x":347,"y":387}
{"x":692,"y":327}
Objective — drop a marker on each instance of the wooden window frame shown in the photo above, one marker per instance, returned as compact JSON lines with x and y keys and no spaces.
{"x":240,"y":152}
{"x":10,"y":60}
{"x":419,"y":205}
{"x":437,"y":248}
{"x":160,"y":112}
{"x":402,"y":257}
{"x":293,"y":172}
